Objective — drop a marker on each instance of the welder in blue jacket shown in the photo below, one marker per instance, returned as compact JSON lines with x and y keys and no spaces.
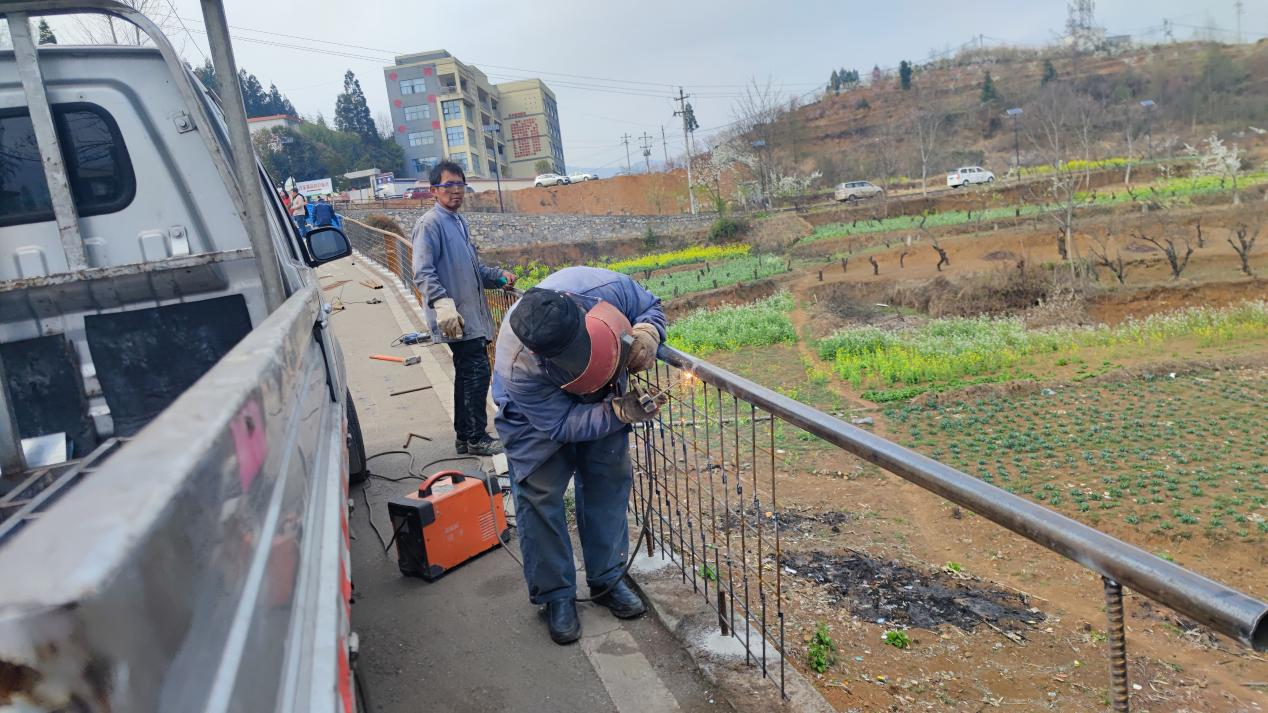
{"x":560,"y":382}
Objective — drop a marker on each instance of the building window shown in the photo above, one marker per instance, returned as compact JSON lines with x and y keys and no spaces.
{"x":418,"y":112}
{"x":424,"y":165}
{"x":461,"y":160}
{"x":471,"y":134}
{"x":493,"y":167}
{"x":455,"y":135}
{"x":413,"y":86}
{"x":422,"y":138}
{"x":452,"y":109}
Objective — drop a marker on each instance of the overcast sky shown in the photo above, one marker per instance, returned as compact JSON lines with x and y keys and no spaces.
{"x":613,"y":66}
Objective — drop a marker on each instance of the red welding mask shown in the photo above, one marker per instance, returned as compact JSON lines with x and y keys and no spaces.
{"x":588,"y":340}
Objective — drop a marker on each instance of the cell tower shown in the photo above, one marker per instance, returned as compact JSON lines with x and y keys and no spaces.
{"x":1081,"y":30}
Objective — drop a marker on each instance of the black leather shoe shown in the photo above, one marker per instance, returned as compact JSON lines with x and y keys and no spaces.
{"x":485,"y":446}
{"x":620,"y":600}
{"x":561,"y":617}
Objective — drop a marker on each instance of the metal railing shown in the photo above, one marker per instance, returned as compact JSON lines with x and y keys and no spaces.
{"x":708,"y":468}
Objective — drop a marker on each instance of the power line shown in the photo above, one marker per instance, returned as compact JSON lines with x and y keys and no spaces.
{"x":391,"y":56}
{"x":190,"y":35}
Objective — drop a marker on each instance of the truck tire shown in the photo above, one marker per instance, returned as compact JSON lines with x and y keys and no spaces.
{"x":358,"y":471}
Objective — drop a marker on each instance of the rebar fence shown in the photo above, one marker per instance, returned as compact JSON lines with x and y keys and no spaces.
{"x":707,"y":472}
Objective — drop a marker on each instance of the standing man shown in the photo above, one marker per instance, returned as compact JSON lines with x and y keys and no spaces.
{"x":452,"y":280}
{"x":299,"y":210}
{"x":323,"y":213}
{"x":564,"y":411}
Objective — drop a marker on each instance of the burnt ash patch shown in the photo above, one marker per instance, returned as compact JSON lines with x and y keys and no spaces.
{"x":890,"y":593}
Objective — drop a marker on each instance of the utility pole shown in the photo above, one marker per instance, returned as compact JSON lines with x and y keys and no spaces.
{"x":1238,"y":6}
{"x":625,"y":139}
{"x":646,"y":138}
{"x":664,"y":145}
{"x":686,"y":121}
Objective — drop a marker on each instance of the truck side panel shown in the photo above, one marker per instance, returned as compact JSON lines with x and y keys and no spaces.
{"x":203,"y":553}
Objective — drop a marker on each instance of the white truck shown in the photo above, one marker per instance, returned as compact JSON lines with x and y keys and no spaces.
{"x":176,"y":436}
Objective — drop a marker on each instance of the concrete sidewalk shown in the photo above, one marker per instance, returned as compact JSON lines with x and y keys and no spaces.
{"x":470,"y":641}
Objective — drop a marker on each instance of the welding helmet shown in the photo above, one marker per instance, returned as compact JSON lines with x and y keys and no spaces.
{"x":586,"y":339}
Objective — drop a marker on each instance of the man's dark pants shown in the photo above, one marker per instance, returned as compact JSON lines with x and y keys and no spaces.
{"x":470,"y":389}
{"x":602,"y":490}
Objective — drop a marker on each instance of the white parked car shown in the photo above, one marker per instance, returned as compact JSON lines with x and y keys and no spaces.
{"x":550,"y":179}
{"x":854,"y":190}
{"x":969,"y":175}
{"x":582,"y":176}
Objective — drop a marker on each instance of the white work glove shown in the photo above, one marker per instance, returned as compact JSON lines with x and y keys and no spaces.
{"x":634,"y":408}
{"x":447,"y":318}
{"x":643,"y":353}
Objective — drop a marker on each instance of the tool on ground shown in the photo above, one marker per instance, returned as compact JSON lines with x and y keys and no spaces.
{"x":409,"y":391}
{"x":412,"y":338}
{"x":407,"y":361}
{"x":438,"y":528}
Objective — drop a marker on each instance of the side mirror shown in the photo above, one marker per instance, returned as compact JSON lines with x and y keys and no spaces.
{"x":325,"y":244}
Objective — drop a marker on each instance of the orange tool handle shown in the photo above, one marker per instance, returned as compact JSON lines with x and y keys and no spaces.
{"x":384,"y":357}
{"x":455,"y":476}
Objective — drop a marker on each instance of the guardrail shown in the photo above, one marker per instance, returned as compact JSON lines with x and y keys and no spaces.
{"x":707,"y":466}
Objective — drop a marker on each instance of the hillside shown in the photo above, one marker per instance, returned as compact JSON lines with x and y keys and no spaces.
{"x":869,"y":131}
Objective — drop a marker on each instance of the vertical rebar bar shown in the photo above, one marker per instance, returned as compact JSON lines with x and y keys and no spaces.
{"x":1117,"y":639}
{"x":726,"y":504}
{"x":722,"y":616}
{"x":779,"y":577}
{"x":739,"y":500}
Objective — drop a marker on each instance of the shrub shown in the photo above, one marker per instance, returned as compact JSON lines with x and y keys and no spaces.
{"x":822,"y":650}
{"x":725,"y":230}
{"x":384,"y":222}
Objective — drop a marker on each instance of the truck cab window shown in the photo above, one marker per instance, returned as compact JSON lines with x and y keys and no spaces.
{"x":97,"y":164}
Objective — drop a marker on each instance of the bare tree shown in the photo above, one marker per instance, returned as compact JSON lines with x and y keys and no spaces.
{"x":1116,"y":264}
{"x":1168,"y":248}
{"x":757,"y":115}
{"x":884,"y":150}
{"x":1058,"y":127}
{"x":927,"y":121}
{"x":942,"y":256}
{"x":106,"y":30}
{"x":1246,"y":237}
{"x":876,"y":268}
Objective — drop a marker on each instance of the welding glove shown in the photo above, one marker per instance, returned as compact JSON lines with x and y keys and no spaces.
{"x":447,"y":318}
{"x":643,"y":352}
{"x":634,"y":407}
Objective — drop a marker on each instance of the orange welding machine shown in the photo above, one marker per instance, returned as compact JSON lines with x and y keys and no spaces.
{"x":439,"y":527}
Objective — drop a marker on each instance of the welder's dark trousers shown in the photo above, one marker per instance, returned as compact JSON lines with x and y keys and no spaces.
{"x":603,"y":474}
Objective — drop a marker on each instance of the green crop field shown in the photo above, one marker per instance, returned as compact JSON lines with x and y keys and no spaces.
{"x":958,"y":351}
{"x":722,"y":274}
{"x":1177,"y":190}
{"x":1170,"y":457}
{"x":732,"y":327}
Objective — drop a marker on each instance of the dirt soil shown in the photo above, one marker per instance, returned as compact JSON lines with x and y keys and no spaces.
{"x":640,"y":194}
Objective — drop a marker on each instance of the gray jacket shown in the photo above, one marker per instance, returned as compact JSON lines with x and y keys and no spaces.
{"x":447,"y":264}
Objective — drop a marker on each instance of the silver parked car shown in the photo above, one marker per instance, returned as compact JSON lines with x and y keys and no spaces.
{"x":550,"y":179}
{"x":854,"y":190}
{"x":969,"y":175}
